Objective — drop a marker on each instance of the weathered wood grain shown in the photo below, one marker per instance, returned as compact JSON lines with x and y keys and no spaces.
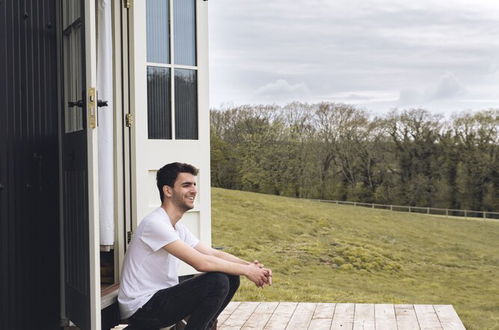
{"x":427,"y":317}
{"x":364,"y":317}
{"x":239,"y":316}
{"x":302,"y":316}
{"x":323,"y":316}
{"x":406,"y":317}
{"x":281,"y":316}
{"x":260,"y":316}
{"x":324,"y":311}
{"x":231,"y":307}
{"x":343,"y":316}
{"x":385,"y":316}
{"x":448,"y":317}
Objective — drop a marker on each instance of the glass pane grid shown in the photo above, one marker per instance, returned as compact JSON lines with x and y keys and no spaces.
{"x":171,"y":37}
{"x":177,"y":66}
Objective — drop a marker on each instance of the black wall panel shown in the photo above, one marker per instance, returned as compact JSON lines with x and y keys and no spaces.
{"x":29,"y":200}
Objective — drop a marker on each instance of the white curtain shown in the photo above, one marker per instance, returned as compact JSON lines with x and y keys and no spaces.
{"x":105,"y":92}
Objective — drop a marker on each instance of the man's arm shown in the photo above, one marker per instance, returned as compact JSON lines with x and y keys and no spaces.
{"x":208,"y":250}
{"x":211,"y":263}
{"x":205,"y":249}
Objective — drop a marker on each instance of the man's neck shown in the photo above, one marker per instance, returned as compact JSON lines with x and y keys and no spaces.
{"x":173,"y":213}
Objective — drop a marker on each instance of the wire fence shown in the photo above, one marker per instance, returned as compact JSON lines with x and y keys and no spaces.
{"x":422,"y":210}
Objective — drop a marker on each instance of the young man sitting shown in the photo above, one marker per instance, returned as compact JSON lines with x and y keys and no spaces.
{"x":150,"y":296}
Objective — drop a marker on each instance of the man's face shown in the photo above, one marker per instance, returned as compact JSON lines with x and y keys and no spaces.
{"x":184,"y":191}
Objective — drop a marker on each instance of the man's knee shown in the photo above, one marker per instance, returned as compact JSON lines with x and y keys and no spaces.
{"x":234,"y":281}
{"x":218,"y":281}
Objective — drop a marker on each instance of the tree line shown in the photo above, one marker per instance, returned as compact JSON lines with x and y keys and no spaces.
{"x":340,"y":152}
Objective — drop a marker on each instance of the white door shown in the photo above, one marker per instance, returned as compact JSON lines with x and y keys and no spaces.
{"x":80,"y":230}
{"x":169,"y":102}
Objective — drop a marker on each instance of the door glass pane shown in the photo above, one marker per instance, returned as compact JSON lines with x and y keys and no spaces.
{"x":158,"y":103}
{"x":184,"y":19}
{"x":158,"y":31}
{"x":186,"y":104}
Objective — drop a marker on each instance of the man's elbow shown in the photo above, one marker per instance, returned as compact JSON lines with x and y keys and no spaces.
{"x":203,"y":266}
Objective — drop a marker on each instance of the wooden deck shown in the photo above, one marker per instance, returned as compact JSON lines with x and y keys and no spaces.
{"x":318,"y":316}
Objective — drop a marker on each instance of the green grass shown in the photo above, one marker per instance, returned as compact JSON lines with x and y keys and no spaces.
{"x":322,"y":252}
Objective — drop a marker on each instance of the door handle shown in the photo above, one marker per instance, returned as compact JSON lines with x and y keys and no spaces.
{"x":101,"y":103}
{"x":78,"y":103}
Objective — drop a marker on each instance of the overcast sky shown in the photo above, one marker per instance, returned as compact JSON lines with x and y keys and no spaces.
{"x":440,"y":55}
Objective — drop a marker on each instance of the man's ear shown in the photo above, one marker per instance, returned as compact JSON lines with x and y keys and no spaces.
{"x":167,"y":191}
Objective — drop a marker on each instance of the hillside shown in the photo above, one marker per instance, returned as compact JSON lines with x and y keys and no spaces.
{"x":328,"y":253}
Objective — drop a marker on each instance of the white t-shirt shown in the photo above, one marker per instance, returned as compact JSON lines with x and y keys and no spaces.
{"x":148,"y":267}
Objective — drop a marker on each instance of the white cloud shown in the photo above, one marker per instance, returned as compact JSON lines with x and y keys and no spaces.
{"x":281,"y":91}
{"x":447,"y":88}
{"x":359,"y":52}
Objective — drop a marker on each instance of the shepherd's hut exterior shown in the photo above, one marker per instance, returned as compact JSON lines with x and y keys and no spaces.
{"x":96,"y":96}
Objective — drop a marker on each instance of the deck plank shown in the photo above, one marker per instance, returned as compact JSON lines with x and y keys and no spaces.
{"x":302,"y":316}
{"x":323,"y":317}
{"x":406,"y":317}
{"x":239,"y":316}
{"x":427,"y":317}
{"x":343,"y":316}
{"x":364,"y":317}
{"x":260,"y":316}
{"x":385,"y":316}
{"x":448,"y":317}
{"x":324,"y":311}
{"x":231,"y":307}
{"x":281,"y":316}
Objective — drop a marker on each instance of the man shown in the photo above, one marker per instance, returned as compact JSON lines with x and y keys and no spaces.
{"x":150,"y":295}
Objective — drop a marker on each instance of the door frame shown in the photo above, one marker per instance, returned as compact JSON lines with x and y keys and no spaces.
{"x":93,"y":166}
{"x":90,"y":111}
{"x":122,"y":171}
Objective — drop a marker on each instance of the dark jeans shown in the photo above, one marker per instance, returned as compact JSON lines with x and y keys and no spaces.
{"x":202,"y":297}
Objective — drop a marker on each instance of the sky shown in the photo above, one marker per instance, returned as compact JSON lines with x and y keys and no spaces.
{"x":376,"y":54}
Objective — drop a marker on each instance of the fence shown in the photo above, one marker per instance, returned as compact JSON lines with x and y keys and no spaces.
{"x":423,"y":210}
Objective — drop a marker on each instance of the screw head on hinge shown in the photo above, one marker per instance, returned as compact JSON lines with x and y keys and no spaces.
{"x":129,"y":120}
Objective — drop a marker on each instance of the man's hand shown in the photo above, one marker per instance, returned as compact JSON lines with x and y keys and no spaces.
{"x":269,"y":276}
{"x":269,"y":272}
{"x":256,"y":272}
{"x":256,"y":262}
{"x":257,"y":275}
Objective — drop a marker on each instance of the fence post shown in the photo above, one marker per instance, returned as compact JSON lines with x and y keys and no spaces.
{"x":484,"y":215}
{"x":447,"y":213}
{"x":354,"y":203}
{"x":391,"y":207}
{"x":427,"y":210}
{"x":410,"y":209}
{"x":372,"y":205}
{"x":465,"y":213}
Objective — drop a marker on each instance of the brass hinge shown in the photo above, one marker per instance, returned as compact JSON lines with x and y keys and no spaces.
{"x":129,"y":120}
{"x":128,"y":4}
{"x":91,"y":108}
{"x":128,"y":236}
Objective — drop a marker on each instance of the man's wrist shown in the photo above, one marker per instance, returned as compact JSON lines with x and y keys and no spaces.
{"x":246,"y":270}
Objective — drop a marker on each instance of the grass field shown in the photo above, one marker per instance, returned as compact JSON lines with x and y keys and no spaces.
{"x":323,"y":252}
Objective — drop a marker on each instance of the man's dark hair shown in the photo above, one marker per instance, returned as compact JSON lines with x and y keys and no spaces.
{"x":168,"y":174}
